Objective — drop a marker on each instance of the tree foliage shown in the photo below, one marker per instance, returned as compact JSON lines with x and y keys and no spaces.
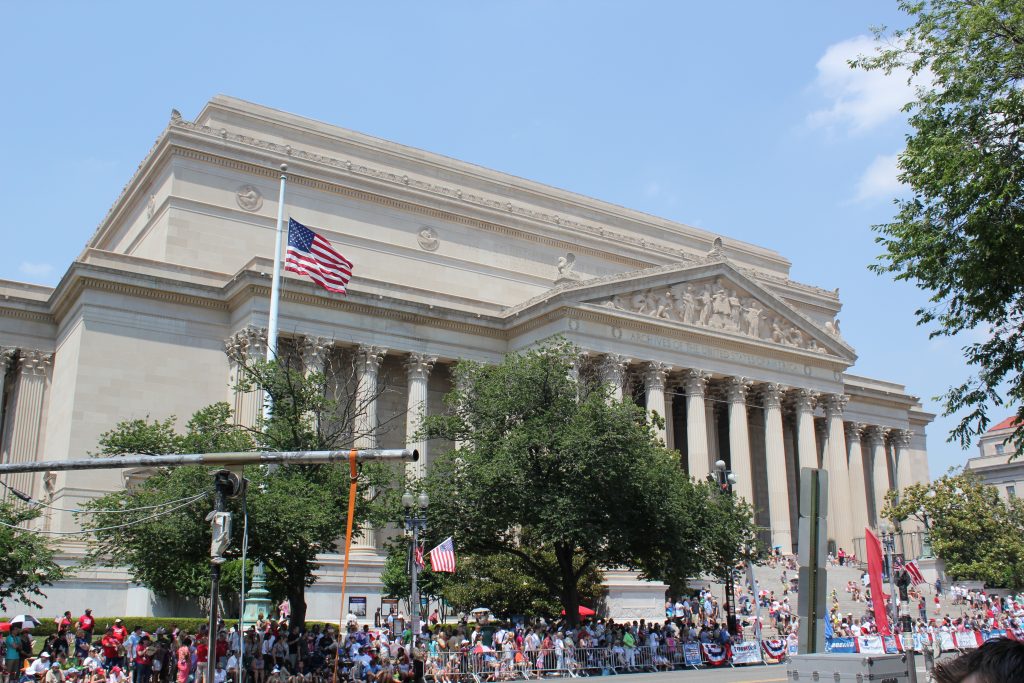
{"x":554,"y":473}
{"x":959,"y":235}
{"x":295,"y":512}
{"x":26,"y":558}
{"x":978,"y":535}
{"x":500,"y":582}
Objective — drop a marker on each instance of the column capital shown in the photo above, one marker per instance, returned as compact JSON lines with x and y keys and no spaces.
{"x":419,"y":365}
{"x":737,"y":388}
{"x":314,"y":351}
{"x":875,"y":434}
{"x":900,"y":437}
{"x":655,"y":374}
{"x":773,"y":393}
{"x":8,"y":354}
{"x":35,"y":362}
{"x":369,"y":357}
{"x":695,"y":382}
{"x":835,"y":404}
{"x":854,"y":430}
{"x":804,"y":400}
{"x":248,"y":342}
{"x":613,"y":368}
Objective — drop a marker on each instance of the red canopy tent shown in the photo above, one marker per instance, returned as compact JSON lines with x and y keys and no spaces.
{"x":584,"y":612}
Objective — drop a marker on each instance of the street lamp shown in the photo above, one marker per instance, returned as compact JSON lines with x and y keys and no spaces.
{"x":926,"y":535}
{"x":889,"y":543}
{"x":415,"y":522}
{"x":726,"y":480}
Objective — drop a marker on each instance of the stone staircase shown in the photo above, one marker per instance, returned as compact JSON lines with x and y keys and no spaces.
{"x":770,"y":579}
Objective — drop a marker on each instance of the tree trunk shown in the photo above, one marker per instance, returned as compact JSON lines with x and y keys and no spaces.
{"x":297,"y":602}
{"x":570,"y":587}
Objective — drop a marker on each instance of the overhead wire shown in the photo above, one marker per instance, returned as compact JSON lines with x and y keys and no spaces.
{"x":110,"y":528}
{"x":38,"y":503}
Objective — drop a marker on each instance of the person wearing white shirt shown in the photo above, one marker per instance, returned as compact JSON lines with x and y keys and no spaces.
{"x":220,"y":675}
{"x":41,"y":665}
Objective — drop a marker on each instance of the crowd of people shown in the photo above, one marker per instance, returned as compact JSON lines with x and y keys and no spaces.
{"x":271,"y":651}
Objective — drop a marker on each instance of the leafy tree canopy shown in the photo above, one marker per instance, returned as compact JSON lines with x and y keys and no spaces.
{"x":295,"y":512}
{"x":551,"y":467}
{"x":978,"y":535}
{"x":959,"y":236}
{"x":26,"y":558}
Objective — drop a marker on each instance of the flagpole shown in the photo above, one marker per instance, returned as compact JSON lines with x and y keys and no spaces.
{"x":275,"y":287}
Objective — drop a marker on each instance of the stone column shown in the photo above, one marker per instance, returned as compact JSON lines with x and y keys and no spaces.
{"x":315,"y":352}
{"x":27,"y":419}
{"x":839,"y":528}
{"x":696,"y":424}
{"x":612,"y":368}
{"x":879,"y":470}
{"x":368,"y":360}
{"x":655,"y":375}
{"x":860,"y":517}
{"x":806,"y":445}
{"x":8,"y":357}
{"x":418,"y":367}
{"x":670,"y":427}
{"x":901,"y":452}
{"x":249,"y":343}
{"x":739,"y":439}
{"x":775,"y":456}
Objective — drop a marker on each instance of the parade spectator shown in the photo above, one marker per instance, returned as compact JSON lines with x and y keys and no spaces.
{"x":86,"y":623}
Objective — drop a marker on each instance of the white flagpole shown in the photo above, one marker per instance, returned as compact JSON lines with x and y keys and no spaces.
{"x":275,"y":288}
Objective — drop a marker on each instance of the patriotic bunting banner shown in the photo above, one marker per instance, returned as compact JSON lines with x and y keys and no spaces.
{"x":715,"y":654}
{"x":774,"y":649}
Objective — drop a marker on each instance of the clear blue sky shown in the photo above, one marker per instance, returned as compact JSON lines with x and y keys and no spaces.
{"x":739,"y":118}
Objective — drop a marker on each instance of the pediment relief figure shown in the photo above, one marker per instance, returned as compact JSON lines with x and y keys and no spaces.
{"x":718,"y":304}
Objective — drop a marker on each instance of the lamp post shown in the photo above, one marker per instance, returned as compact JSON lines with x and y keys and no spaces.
{"x":889,"y":543}
{"x":415,"y":522}
{"x":726,"y":479}
{"x":926,"y":535}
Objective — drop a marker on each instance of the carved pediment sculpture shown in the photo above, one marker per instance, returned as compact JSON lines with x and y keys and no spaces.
{"x":717,"y":304}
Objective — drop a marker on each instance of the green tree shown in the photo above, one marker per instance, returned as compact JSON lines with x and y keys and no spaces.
{"x":551,"y":467}
{"x":496,"y":581}
{"x":26,"y":558}
{"x":978,"y":535}
{"x":959,"y":235}
{"x":295,"y":511}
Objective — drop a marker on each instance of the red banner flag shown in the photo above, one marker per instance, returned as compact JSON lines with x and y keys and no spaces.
{"x":874,"y":548}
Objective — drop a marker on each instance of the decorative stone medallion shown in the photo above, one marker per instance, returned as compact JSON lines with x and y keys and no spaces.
{"x":427,"y":239}
{"x":249,"y":198}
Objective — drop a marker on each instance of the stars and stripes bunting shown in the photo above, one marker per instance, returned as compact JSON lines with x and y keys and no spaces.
{"x":311,"y":255}
{"x":442,"y":558}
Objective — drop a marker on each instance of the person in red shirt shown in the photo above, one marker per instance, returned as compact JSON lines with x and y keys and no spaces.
{"x":110,"y":644}
{"x":120,"y":632}
{"x":143,"y":661}
{"x":87,"y":624}
{"x":202,"y":656}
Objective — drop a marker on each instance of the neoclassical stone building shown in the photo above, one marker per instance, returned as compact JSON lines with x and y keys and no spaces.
{"x":453,"y":261}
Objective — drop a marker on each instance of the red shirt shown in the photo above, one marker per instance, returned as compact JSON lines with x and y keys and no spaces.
{"x":140,"y":655}
{"x":202,"y":649}
{"x":121,"y":633}
{"x":222,"y":648}
{"x":110,"y":644}
{"x":86,"y":622}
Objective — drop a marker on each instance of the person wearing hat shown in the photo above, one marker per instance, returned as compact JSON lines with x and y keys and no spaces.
{"x":40,"y":666}
{"x":54,"y":675}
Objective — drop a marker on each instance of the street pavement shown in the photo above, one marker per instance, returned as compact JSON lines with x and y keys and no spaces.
{"x":775,"y":673}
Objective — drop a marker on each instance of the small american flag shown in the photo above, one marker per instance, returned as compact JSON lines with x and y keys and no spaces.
{"x":311,"y":255}
{"x":916,"y":577}
{"x":418,"y":556}
{"x":442,"y":558}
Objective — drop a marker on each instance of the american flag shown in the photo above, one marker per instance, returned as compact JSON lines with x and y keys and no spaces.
{"x":310,"y":254}
{"x":418,"y":556}
{"x":442,"y":558}
{"x":911,"y":568}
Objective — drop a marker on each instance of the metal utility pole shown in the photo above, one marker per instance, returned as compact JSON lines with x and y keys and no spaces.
{"x":726,"y":479}
{"x":813,"y":541}
{"x":414,"y":523}
{"x":226,"y":484}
